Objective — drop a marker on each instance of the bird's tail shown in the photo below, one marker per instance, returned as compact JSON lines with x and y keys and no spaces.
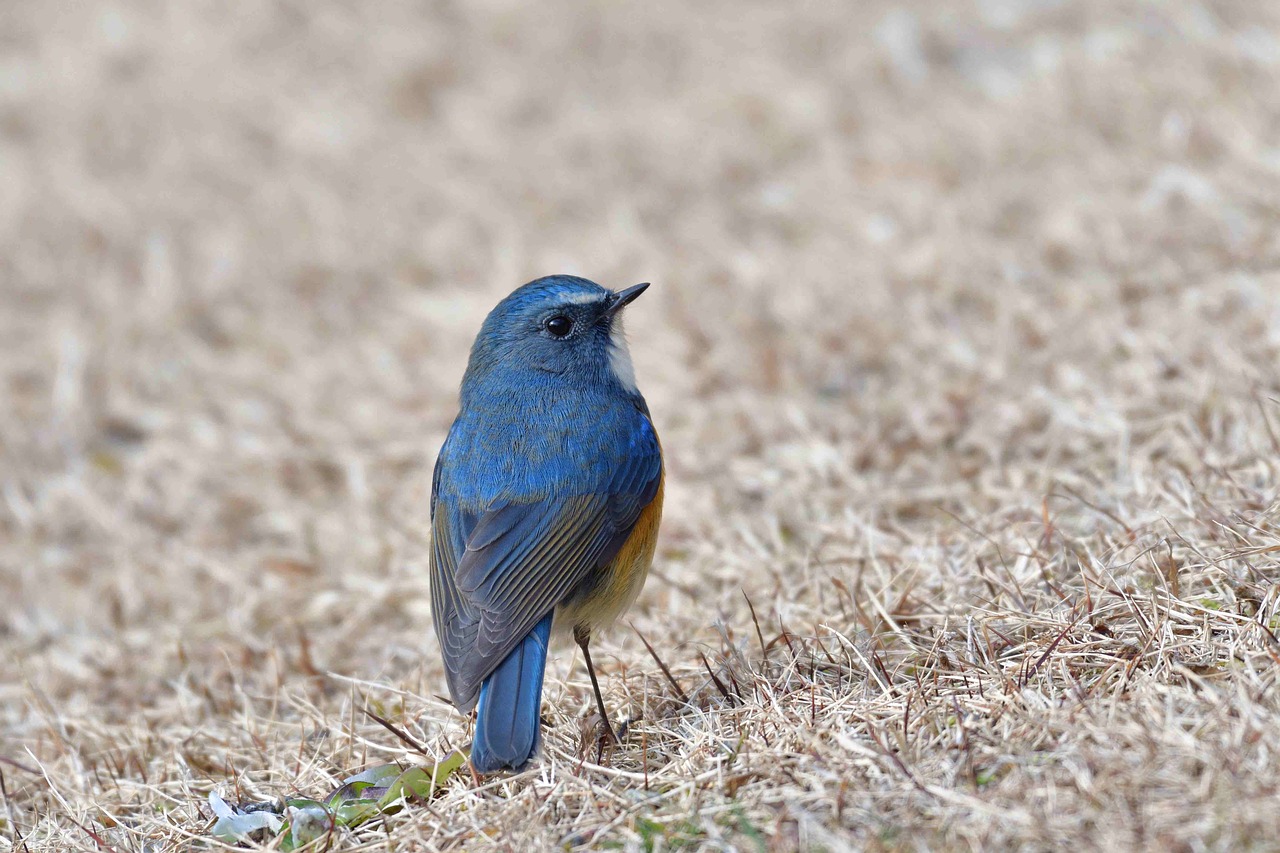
{"x":507,"y":721}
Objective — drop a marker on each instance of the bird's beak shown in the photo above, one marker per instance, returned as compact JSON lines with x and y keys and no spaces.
{"x":625,"y":297}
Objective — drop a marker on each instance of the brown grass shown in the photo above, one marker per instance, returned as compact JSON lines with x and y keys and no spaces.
{"x":963,"y":345}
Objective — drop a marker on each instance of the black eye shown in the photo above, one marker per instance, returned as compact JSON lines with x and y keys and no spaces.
{"x":559,"y":326}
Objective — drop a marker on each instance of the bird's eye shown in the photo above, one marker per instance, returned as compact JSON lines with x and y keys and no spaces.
{"x":559,"y":326}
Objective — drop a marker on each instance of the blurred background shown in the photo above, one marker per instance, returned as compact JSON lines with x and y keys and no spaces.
{"x":905,"y":256}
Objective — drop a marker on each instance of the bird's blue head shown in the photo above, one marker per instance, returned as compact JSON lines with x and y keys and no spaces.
{"x":560,"y":325}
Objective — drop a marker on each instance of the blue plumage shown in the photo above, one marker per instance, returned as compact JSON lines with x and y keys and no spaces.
{"x":545,"y":501}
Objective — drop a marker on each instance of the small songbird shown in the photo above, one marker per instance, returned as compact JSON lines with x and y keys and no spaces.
{"x":544,"y":504}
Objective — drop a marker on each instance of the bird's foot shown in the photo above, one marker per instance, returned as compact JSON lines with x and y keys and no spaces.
{"x":607,"y":736}
{"x":600,"y":731}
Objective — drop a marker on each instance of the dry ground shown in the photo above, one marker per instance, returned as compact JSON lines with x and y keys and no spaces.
{"x":963,"y":345}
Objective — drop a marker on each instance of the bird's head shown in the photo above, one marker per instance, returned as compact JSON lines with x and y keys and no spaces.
{"x":558,"y":325}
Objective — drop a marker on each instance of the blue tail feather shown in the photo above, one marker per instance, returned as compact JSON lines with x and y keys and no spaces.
{"x":507,"y":721}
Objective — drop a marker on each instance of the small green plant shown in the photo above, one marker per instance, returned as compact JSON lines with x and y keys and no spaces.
{"x":298,"y":821}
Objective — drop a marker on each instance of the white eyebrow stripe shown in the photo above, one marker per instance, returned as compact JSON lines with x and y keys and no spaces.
{"x":585,"y":298}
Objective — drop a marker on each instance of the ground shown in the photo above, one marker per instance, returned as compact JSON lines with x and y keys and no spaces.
{"x":962,"y":344}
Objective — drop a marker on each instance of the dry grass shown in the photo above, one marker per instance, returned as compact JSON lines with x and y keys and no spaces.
{"x":963,"y":346}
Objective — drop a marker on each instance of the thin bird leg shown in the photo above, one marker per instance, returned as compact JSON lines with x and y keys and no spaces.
{"x":583,"y":638}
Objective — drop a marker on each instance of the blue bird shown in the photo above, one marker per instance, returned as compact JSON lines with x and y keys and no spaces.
{"x":545,"y":504}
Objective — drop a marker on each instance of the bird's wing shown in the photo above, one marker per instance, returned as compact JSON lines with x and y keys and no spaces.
{"x":494,"y":576}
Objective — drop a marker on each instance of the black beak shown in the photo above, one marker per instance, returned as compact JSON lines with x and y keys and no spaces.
{"x":623,"y":298}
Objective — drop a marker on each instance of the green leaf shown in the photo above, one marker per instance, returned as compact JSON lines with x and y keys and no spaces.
{"x":358,"y":786}
{"x":356,"y":812}
{"x":422,"y":782}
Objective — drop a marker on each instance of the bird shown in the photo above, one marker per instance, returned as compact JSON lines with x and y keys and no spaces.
{"x":546,"y":499}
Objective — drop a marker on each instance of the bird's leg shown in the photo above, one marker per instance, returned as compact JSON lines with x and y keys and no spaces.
{"x":583,"y":638}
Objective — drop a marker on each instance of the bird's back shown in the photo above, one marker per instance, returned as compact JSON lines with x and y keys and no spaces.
{"x":579,"y":481}
{"x":528,"y":443}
